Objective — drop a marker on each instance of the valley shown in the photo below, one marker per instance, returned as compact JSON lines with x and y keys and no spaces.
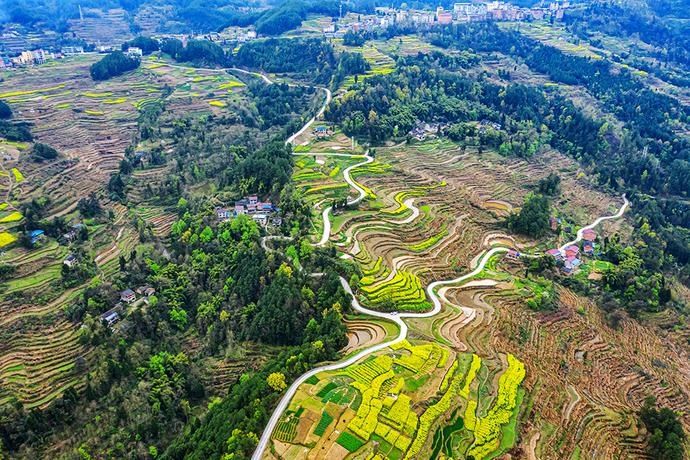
{"x":302,"y":231}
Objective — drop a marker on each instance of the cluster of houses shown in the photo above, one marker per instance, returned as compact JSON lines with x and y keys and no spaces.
{"x":502,"y":11}
{"x":37,"y":57}
{"x":423,"y":130}
{"x":38,"y":236}
{"x":570,"y":255}
{"x":462,"y":12}
{"x":127,"y":297}
{"x":28,"y":50}
{"x":263,"y":213}
{"x":70,"y":261}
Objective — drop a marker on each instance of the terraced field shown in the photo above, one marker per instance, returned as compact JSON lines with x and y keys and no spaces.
{"x":90,"y":124}
{"x":381,"y":63}
{"x":430,"y":209}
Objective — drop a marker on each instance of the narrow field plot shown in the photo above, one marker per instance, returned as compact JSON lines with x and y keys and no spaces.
{"x":6,"y":239}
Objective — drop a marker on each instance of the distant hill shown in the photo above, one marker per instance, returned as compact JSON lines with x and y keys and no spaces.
{"x":194,"y":15}
{"x":676,"y":8}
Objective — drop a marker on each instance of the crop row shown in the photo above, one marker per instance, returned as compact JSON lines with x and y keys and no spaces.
{"x":400,"y":415}
{"x":433,"y":413}
{"x":287,"y":429}
{"x":366,"y":372}
{"x":399,"y":198}
{"x":323,"y":424}
{"x":471,"y":374}
{"x":431,"y":241}
{"x":404,"y":290}
{"x":366,"y":419}
{"x":393,"y":436}
{"x":448,"y":376}
{"x":488,"y":429}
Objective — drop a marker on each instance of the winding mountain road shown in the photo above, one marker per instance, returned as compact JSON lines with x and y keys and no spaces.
{"x":361,"y":193}
{"x":599,"y":220}
{"x":397,"y":318}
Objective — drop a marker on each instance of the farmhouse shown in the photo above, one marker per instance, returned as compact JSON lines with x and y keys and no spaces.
{"x":572,"y":251}
{"x":589,"y":235}
{"x":555,"y":253}
{"x":223,"y":214}
{"x":147,"y":291}
{"x":36,"y":236}
{"x":588,"y":248}
{"x":73,"y":234}
{"x":113,"y":315}
{"x":553,"y":223}
{"x":570,"y":264}
{"x":444,"y":17}
{"x":70,"y":261}
{"x":110,"y":317}
{"x":322,"y":131}
{"x":261,"y":219}
{"x":128,"y":296}
{"x":69,"y":236}
{"x":133,"y":51}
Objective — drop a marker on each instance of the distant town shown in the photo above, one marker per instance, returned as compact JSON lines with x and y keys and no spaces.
{"x":105,"y":31}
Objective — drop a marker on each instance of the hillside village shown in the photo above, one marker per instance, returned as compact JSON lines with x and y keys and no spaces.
{"x":105,"y":31}
{"x":407,"y":234}
{"x":263,"y":213}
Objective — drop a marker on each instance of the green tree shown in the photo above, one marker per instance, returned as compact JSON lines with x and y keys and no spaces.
{"x":666,"y":440}
{"x":240,"y":444}
{"x":533,"y":219}
{"x":5,"y":111}
{"x":206,"y":235}
{"x":277,"y":381}
{"x":178,"y":317}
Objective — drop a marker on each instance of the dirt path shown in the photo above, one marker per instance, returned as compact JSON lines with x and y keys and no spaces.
{"x":532,"y":450}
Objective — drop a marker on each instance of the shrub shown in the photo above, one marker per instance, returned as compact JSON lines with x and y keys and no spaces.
{"x":5,"y":111}
{"x":667,"y":435}
{"x":533,"y":219}
{"x":42,"y":152}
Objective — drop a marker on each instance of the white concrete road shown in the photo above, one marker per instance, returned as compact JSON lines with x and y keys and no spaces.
{"x":397,"y":318}
{"x":394,"y":317}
